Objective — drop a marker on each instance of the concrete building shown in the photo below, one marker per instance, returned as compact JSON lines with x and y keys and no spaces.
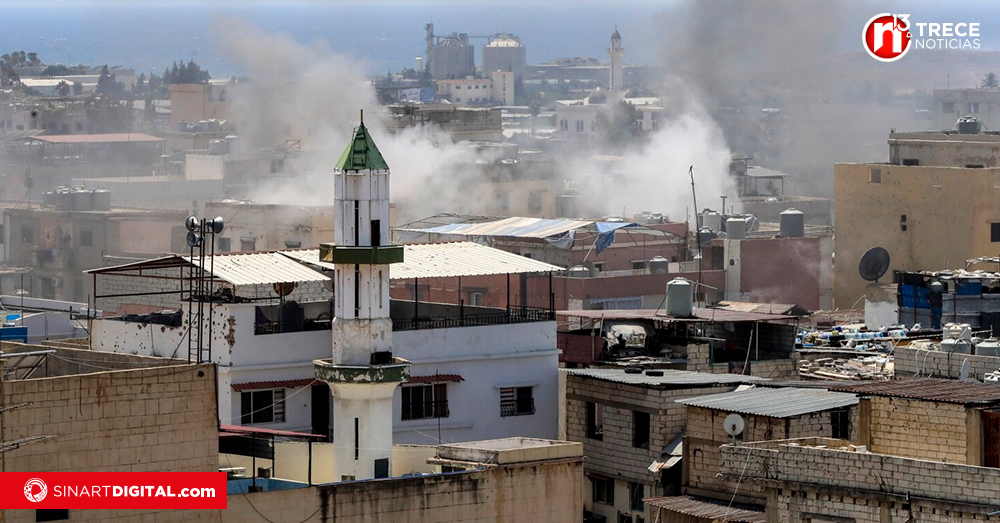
{"x":269,"y":227}
{"x":916,"y":440}
{"x":577,"y":119}
{"x":628,"y":424}
{"x":59,"y":241}
{"x":498,"y":89}
{"x":452,"y":57}
{"x":948,"y":105}
{"x":934,"y":205}
{"x":616,"y":52}
{"x":54,"y":116}
{"x":460,"y":123}
{"x":197,"y":102}
{"x":504,"y":52}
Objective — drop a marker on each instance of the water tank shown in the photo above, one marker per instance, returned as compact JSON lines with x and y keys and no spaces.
{"x":578,"y":272}
{"x":680,"y":298}
{"x":712,"y":220}
{"x":182,"y":126}
{"x":706,"y":236}
{"x":49,"y":198}
{"x":956,"y":346}
{"x":988,"y":347}
{"x":968,"y":125}
{"x":736,"y":229}
{"x":64,"y":200}
{"x":792,"y":223}
{"x":957,"y":338}
{"x":82,"y":200}
{"x":102,"y":200}
{"x":659,"y":265}
{"x":232,"y":143}
{"x":217,"y":147}
{"x":213,"y":125}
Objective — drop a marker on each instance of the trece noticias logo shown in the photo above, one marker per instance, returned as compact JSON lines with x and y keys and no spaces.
{"x":888,"y":37}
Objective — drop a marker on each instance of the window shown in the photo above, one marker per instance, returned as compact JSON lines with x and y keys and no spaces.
{"x":503,"y":200}
{"x":79,"y":127}
{"x":995,"y":232}
{"x":248,"y":244}
{"x":475,"y":298}
{"x":876,"y":176}
{"x":911,"y":161}
{"x":640,"y":429}
{"x":1,"y":234}
{"x":425,"y":401}
{"x":636,"y":491}
{"x":902,"y":222}
{"x":262,"y":406}
{"x":382,"y":468}
{"x":948,"y":107}
{"x":277,"y":165}
{"x":535,"y":202}
{"x":841,"y":422}
{"x":27,"y":234}
{"x":579,"y":126}
{"x":87,"y":238}
{"x":516,"y":401}
{"x":51,"y":514}
{"x":604,"y":490}
{"x":376,"y":233}
{"x":225,"y":244}
{"x":638,"y":265}
{"x":293,"y":244}
{"x":599,"y":266}
{"x":595,"y":421}
{"x":972,"y":107}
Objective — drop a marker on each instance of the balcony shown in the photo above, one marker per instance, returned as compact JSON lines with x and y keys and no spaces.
{"x":442,"y":316}
{"x":522,"y":407}
{"x":425,"y":410}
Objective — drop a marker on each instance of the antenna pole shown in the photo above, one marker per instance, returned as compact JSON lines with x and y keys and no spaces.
{"x":697,"y":229}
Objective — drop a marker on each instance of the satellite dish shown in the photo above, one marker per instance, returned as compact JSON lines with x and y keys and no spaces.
{"x":284,"y":289}
{"x":193,"y":239}
{"x":753,"y":224}
{"x":964,"y":373}
{"x":874,"y":264}
{"x":217,"y":224}
{"x":29,"y":182}
{"x":192,"y":223}
{"x":734,"y":425}
{"x":328,"y":284}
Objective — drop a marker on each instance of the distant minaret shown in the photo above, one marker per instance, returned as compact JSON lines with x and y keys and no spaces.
{"x":616,"y":52}
{"x":362,"y":373}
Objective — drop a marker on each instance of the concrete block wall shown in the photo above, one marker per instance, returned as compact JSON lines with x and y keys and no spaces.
{"x":912,"y":362}
{"x":614,"y":455}
{"x":919,"y":429}
{"x":807,"y":505}
{"x":112,"y":284}
{"x":144,"y":420}
{"x":538,"y":491}
{"x":699,"y":361}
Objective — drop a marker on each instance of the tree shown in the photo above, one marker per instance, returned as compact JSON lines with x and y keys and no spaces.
{"x":63,"y":88}
{"x":990,"y":81}
{"x":185,"y":73}
{"x":107,"y":84}
{"x":618,"y":124}
{"x":77,"y":88}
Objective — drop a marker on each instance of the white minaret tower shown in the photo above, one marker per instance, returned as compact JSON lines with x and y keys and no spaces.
{"x":616,"y":52}
{"x":362,"y":373}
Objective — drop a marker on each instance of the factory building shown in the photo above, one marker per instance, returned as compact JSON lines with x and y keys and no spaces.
{"x":505,"y":53}
{"x":453,"y":57}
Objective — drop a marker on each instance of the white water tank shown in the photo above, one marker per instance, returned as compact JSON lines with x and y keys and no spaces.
{"x":988,"y":347}
{"x":792,"y":223}
{"x":680,"y":298}
{"x":736,"y":229}
{"x":659,"y":265}
{"x":578,"y":272}
{"x":957,"y":338}
{"x":712,"y":220}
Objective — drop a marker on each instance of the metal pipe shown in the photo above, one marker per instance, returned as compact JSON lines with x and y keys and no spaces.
{"x":29,"y":353}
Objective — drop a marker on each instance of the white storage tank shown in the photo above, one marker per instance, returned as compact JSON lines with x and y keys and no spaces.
{"x":712,"y":220}
{"x":101,"y":200}
{"x":988,"y":347}
{"x":81,"y":200}
{"x":578,"y":272}
{"x":217,"y":147}
{"x":659,"y":265}
{"x":792,"y":223}
{"x":957,"y":338}
{"x":736,"y":229}
{"x":680,"y":298}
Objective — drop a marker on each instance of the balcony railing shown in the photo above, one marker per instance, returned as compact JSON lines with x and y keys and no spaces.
{"x":500,"y":317}
{"x":426,"y":410}
{"x":277,"y":327}
{"x":524,"y":407}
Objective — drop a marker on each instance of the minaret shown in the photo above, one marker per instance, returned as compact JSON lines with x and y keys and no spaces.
{"x":616,"y":52}
{"x":362,"y":373}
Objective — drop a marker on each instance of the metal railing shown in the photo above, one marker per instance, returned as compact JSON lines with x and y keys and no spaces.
{"x":278,"y":327}
{"x":425,"y":410}
{"x":501,"y":317}
{"x":524,"y":407}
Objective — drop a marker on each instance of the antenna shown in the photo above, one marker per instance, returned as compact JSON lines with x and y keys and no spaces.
{"x":874,"y":264}
{"x":734,"y":425}
{"x":697,"y":228}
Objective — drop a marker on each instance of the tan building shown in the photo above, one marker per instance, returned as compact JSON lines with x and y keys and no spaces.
{"x":267,"y":227}
{"x":630,"y":425}
{"x":951,"y":104}
{"x":197,"y":102}
{"x":498,"y":89}
{"x":925,"y":451}
{"x":935,"y":204}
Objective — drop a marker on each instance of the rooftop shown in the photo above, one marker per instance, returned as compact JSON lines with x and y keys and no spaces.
{"x":774,"y":403}
{"x":699,"y":314}
{"x":709,"y":509}
{"x":670,"y":378}
{"x":361,"y":153}
{"x":97,"y":138}
{"x":510,"y":450}
{"x":929,"y":389}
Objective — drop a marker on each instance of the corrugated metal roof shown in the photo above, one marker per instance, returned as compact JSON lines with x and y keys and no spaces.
{"x":774,"y":403}
{"x":274,"y":384}
{"x":708,"y":509}
{"x":930,"y":389}
{"x":671,"y":378}
{"x":515,"y":227}
{"x":442,"y":260}
{"x":700,"y":314}
{"x":436,"y":378}
{"x":97,"y":138}
{"x":260,"y":268}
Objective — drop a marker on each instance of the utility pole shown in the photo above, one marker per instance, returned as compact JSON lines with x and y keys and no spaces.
{"x":697,"y":229}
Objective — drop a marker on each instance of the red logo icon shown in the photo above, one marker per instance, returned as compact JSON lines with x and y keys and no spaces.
{"x":887,"y":37}
{"x":31,"y":494}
